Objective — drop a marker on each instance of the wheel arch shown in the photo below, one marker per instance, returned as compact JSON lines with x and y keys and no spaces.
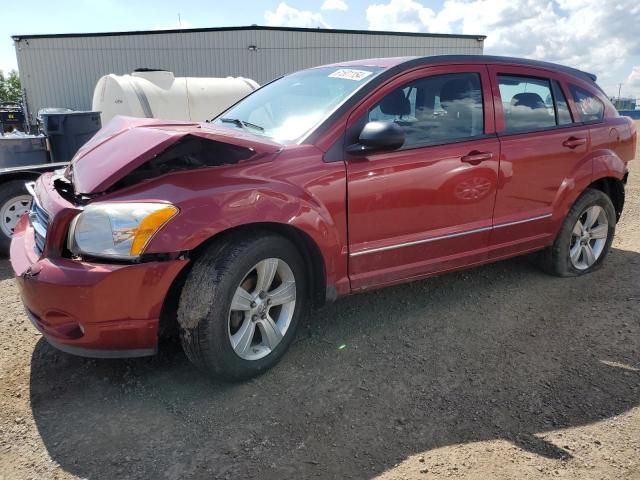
{"x":307,"y":247}
{"x":602,"y":170}
{"x":613,"y":187}
{"x":319,"y":291}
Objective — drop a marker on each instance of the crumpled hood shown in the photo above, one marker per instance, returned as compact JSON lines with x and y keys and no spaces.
{"x":126,"y":143}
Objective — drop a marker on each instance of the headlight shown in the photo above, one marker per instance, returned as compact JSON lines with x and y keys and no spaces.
{"x":117,"y":230}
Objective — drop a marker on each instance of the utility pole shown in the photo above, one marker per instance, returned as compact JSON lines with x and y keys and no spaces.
{"x":617,"y":102}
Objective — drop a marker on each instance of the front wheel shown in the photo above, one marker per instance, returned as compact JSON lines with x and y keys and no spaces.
{"x":585,"y":237}
{"x":240,"y":306}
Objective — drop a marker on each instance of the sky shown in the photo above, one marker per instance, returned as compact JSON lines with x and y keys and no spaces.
{"x":599,"y":36}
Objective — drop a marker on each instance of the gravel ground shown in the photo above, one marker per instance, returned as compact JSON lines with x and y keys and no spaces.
{"x":496,"y":372}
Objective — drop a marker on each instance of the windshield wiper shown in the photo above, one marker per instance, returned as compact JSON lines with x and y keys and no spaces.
{"x":242,"y":124}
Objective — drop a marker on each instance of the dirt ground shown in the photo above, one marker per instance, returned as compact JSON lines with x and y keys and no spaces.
{"x":494,"y":373}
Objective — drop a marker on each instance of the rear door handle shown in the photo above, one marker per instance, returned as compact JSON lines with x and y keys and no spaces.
{"x":475,"y":157}
{"x":573,"y":142}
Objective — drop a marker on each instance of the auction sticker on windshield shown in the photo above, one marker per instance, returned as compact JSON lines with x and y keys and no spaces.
{"x":350,"y":74}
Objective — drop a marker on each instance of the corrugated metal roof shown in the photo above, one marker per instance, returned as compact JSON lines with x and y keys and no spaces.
{"x":250,"y":27}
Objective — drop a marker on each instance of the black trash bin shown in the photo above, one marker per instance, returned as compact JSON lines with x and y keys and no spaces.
{"x":68,"y":131}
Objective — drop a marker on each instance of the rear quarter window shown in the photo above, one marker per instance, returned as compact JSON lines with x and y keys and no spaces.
{"x":589,"y":106}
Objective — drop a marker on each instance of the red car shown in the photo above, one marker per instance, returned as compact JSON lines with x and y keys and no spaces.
{"x":329,"y":181}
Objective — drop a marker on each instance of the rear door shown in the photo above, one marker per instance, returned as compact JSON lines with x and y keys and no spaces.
{"x":426,"y":207}
{"x":543,"y":148}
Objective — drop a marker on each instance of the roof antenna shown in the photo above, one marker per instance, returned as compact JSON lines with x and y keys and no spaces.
{"x":179,"y":21}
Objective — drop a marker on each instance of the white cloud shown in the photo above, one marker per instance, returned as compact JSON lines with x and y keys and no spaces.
{"x":286,"y":16}
{"x":340,"y":5}
{"x":595,"y":35}
{"x":401,"y":15}
{"x":632,"y":85}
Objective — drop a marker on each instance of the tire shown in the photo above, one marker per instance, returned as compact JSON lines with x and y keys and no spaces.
{"x":558,"y":260}
{"x":212,"y":316}
{"x":14,"y":202}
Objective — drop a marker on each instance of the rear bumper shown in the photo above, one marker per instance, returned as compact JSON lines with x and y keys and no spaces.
{"x":91,"y":309}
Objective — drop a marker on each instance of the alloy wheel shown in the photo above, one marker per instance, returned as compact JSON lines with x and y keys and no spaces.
{"x":589,"y":237}
{"x":261,"y":309}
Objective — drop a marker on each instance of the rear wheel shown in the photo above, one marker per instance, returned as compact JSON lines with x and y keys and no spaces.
{"x":585,"y":237}
{"x":14,"y":203}
{"x":240,"y":306}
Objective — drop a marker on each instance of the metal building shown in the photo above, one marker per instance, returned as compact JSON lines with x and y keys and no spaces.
{"x":62,"y":70}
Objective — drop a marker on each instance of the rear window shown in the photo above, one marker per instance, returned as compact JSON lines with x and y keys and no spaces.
{"x":527,"y":103}
{"x":589,"y":106}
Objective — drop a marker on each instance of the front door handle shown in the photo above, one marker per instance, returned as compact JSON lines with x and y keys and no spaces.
{"x":573,"y":142}
{"x":475,"y":157}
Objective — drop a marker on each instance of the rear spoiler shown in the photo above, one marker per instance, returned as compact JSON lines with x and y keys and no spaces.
{"x":594,"y":78}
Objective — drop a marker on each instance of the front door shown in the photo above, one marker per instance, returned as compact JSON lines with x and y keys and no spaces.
{"x":426,"y":207}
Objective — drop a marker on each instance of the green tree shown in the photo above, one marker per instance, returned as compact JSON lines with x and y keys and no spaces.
{"x":10,"y":88}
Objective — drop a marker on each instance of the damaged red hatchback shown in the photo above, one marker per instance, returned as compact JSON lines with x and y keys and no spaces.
{"x":325,"y":182}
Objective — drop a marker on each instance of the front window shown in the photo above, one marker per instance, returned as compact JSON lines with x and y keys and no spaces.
{"x":290,"y":107}
{"x":435,"y":109}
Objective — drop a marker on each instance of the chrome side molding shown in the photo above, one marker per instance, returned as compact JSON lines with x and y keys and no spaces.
{"x":445,"y":237}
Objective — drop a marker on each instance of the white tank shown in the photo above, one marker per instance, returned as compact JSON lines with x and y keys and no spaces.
{"x":159,"y":94}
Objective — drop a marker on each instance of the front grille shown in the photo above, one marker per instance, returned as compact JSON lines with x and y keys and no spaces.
{"x":39,"y":220}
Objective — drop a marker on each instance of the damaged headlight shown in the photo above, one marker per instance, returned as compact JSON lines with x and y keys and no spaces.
{"x":117,"y":230}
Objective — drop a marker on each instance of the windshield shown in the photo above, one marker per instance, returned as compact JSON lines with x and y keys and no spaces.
{"x":288,"y":108}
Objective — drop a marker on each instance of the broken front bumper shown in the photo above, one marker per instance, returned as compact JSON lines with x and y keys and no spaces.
{"x":92,"y":309}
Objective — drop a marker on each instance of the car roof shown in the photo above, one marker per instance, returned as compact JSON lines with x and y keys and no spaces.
{"x":411,"y":62}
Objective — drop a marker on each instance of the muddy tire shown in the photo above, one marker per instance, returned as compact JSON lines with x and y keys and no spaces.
{"x":584,"y":239}
{"x":241,"y":304}
{"x":14,"y":202}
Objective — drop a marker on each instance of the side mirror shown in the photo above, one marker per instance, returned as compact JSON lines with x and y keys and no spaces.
{"x":378,"y":136}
